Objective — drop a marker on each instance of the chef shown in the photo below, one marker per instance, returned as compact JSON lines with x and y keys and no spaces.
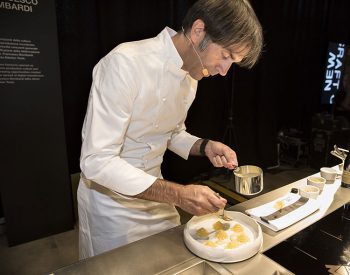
{"x":139,"y":99}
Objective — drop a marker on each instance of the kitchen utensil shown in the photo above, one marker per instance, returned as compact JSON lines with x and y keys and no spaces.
{"x":339,"y":152}
{"x":248,"y":180}
{"x":224,"y":217}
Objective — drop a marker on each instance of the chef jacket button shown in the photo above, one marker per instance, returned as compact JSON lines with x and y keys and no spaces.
{"x":156,"y":125}
{"x":164,"y":99}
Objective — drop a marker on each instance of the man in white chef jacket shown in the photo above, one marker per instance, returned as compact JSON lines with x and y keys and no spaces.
{"x":139,"y":99}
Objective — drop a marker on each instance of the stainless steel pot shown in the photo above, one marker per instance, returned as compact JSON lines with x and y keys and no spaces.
{"x":248,"y":180}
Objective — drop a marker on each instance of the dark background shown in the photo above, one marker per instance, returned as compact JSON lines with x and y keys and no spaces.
{"x":282,"y":92}
{"x":250,"y":110}
{"x":35,"y":187}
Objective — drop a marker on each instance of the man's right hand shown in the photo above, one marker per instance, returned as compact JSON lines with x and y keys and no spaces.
{"x":195,"y":199}
{"x":199,"y":200}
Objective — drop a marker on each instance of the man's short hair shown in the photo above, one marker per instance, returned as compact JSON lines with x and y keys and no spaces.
{"x":228,"y":23}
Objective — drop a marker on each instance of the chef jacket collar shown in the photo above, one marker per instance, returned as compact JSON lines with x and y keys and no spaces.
{"x":175,"y":61}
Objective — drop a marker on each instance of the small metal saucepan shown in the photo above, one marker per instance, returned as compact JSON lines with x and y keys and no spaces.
{"x":248,"y":180}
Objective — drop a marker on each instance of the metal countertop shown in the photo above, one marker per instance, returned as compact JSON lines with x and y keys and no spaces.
{"x":166,"y":253}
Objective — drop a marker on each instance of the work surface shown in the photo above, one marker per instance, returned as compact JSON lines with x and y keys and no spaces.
{"x":166,"y":253}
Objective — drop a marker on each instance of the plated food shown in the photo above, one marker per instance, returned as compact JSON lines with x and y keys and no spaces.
{"x":228,"y":235}
{"x":214,"y":239}
{"x":279,"y":205}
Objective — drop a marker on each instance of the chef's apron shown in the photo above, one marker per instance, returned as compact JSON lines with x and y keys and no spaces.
{"x":117,"y":220}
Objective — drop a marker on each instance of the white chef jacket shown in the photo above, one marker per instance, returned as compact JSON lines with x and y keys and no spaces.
{"x":137,"y":107}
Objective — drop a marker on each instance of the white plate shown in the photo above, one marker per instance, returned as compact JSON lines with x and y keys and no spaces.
{"x":220,"y":253}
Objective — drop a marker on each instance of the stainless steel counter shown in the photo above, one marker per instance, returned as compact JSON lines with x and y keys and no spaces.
{"x":165,"y":253}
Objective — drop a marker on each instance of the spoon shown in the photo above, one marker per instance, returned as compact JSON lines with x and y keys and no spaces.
{"x":223,"y":215}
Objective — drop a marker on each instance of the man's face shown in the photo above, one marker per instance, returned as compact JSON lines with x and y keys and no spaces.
{"x":215,"y":58}
{"x":218,"y":60}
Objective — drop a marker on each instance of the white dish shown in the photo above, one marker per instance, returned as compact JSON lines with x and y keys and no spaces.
{"x":309,"y":191}
{"x":221,"y":254}
{"x":329,"y":174}
{"x":292,"y":217}
{"x":318,"y":182}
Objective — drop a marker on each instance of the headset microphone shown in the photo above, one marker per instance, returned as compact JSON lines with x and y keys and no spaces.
{"x":204,"y":70}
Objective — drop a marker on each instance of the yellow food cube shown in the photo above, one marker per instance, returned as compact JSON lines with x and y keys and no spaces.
{"x":221,"y":235}
{"x":218,"y":225}
{"x":232,"y":244}
{"x":237,"y":228}
{"x":202,"y":232}
{"x":278,"y":205}
{"x":243,"y":238}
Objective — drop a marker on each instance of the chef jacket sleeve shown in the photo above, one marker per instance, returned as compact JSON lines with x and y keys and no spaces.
{"x":108,"y":115}
{"x":181,"y":142}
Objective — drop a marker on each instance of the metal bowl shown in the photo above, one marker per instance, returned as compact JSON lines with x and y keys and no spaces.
{"x":248,"y":180}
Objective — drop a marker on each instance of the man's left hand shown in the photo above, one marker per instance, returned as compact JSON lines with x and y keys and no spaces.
{"x":220,"y":155}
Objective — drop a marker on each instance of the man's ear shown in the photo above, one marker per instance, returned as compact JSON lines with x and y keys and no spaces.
{"x":197,"y":31}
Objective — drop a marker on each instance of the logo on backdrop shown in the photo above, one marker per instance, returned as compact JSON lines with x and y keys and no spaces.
{"x":334,"y":70}
{"x":19,"y":5}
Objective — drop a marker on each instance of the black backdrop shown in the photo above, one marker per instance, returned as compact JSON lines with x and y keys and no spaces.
{"x":282,"y":91}
{"x":35,"y":184}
